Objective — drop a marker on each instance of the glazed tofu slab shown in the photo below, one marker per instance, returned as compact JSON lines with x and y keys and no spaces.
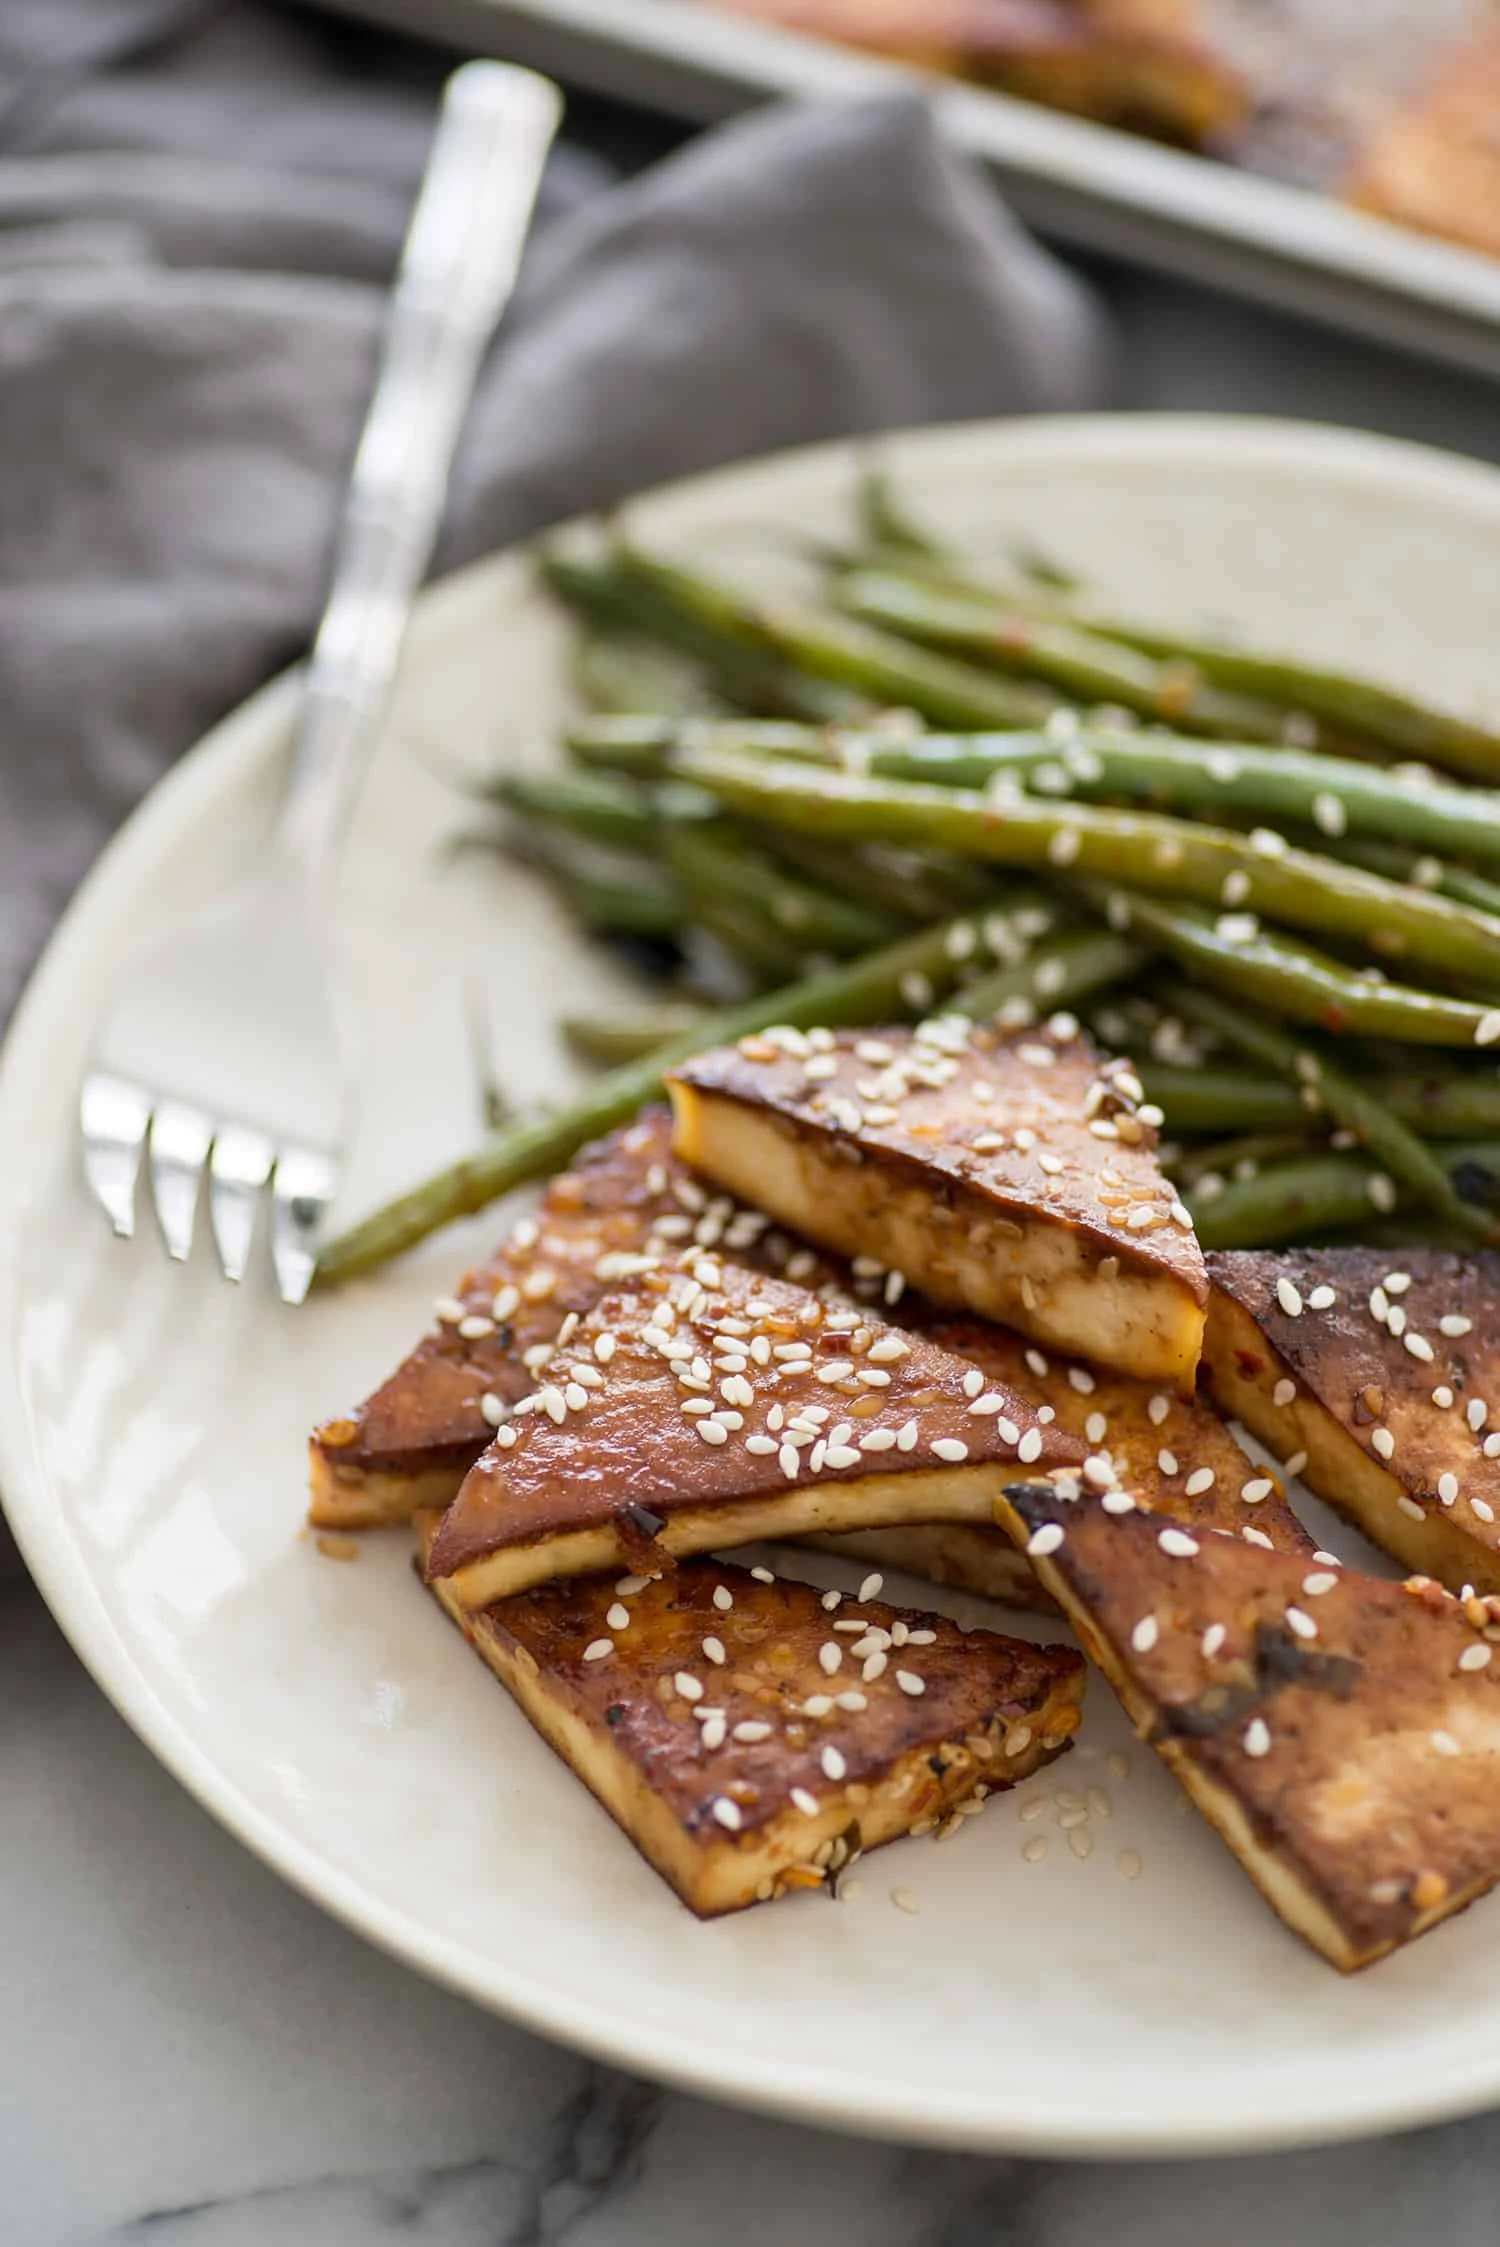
{"x":1173,"y":1452}
{"x":412,"y":1442}
{"x":753,"y":1736}
{"x":1008,"y":1174}
{"x":701,"y":1405}
{"x":1378,"y":1374}
{"x":1341,"y":1732}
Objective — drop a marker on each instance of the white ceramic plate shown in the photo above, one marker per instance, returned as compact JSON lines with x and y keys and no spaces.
{"x":152,"y":1421}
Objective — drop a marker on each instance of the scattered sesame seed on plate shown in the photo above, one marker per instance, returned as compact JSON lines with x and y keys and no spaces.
{"x":1129,"y":1864}
{"x":905,"y":1901}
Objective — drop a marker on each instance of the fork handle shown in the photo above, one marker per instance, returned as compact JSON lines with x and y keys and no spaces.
{"x":457,"y":273}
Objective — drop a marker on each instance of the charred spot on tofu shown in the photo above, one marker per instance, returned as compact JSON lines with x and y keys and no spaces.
{"x":1008,"y":1174}
{"x":1378,"y":1374}
{"x":1342,"y":1733}
{"x":698,"y":1708}
{"x":730,"y":1407}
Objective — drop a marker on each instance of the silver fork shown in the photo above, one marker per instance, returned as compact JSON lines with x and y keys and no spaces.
{"x":221,"y":1051}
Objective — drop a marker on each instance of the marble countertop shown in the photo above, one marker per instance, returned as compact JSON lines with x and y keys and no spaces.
{"x":191,"y":2053}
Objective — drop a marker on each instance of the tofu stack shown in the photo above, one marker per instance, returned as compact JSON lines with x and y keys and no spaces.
{"x":924,"y":1298}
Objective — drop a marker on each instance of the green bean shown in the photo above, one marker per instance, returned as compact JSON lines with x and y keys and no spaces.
{"x":1295,"y":981}
{"x":751,"y":677}
{"x":1219,"y":1099}
{"x":1146,"y":850}
{"x":715,"y":862}
{"x":910,"y":975}
{"x":1247,"y":1155}
{"x":1065,"y":968}
{"x":874,"y":665}
{"x":990,"y":632}
{"x":1294,"y":1201}
{"x":591,"y":805}
{"x":1330,"y":795}
{"x":611,"y":1039}
{"x":1326,"y":1090}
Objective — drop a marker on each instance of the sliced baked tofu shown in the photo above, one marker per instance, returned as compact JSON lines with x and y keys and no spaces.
{"x":700,"y":1709}
{"x":1007,"y":1174}
{"x":1173,"y":1452}
{"x":414,"y":1440}
{"x":701,"y":1405}
{"x":1379,"y":1375}
{"x":1342,"y":1733}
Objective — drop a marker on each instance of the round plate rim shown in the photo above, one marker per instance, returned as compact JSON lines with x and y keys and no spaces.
{"x":795,"y":2090}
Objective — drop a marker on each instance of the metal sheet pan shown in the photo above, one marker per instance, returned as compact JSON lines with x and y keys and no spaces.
{"x":1075,"y":181}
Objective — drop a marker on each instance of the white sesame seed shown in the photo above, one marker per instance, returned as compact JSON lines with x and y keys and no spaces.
{"x":1283,"y":1393}
{"x":1213,"y":1639}
{"x":1178,"y":1545}
{"x":1257,"y":1737}
{"x":714,"y":1649}
{"x":1381,"y":1191}
{"x":817,"y":1704}
{"x":1145,"y":1635}
{"x":761,"y":1447}
{"x":1117,"y":1502}
{"x":1030,"y":1446}
{"x":1487,"y":1028}
{"x":830,"y":1655}
{"x":1329,"y":813}
{"x":834,"y":1766}
{"x":1201,"y":1479}
{"x":950,"y":1449}
{"x":789,"y":1459}
{"x":1383,"y":1443}
{"x":1045,"y":1540}
{"x":1447,"y":1489}
{"x":688,"y":1686}
{"x":711,"y":1431}
{"x":805,"y":1802}
{"x":618,"y":1617}
{"x":474,"y":1328}
{"x":1444,"y":1742}
{"x":909,"y":1682}
{"x":1476,"y":1412}
{"x":1410,"y":1507}
{"x":906,"y":1436}
{"x":763,"y":1575}
{"x":905,"y":1901}
{"x":851,"y":1700}
{"x":1303,"y":1625}
{"x":506,"y":1437}
{"x":597,"y":1649}
{"x":872,"y":1587}
{"x":1476,"y":1657}
{"x":1321,"y":1580}
{"x":711,"y":1732}
{"x":874,"y":1665}
{"x":727,"y":1813}
{"x":492,"y":1408}
{"x":1419,"y":1347}
{"x":1288,"y":1295}
{"x":575,"y":1396}
{"x":1294,"y":1464}
{"x":1483,"y":1508}
{"x":1157,"y":1410}
{"x":1257,"y":1489}
{"x":751,"y":1731}
{"x":1322,"y":1298}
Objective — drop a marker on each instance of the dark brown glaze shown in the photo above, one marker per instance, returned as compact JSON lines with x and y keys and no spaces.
{"x":1156,"y":1440}
{"x":974,"y":1684}
{"x":943,"y":1105}
{"x":1375,"y":1788}
{"x":1346,"y":1360}
{"x":626,"y":1447}
{"x":624,"y":1195}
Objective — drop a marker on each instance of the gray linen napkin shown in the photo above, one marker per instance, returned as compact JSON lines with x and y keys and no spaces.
{"x":186,"y":340}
